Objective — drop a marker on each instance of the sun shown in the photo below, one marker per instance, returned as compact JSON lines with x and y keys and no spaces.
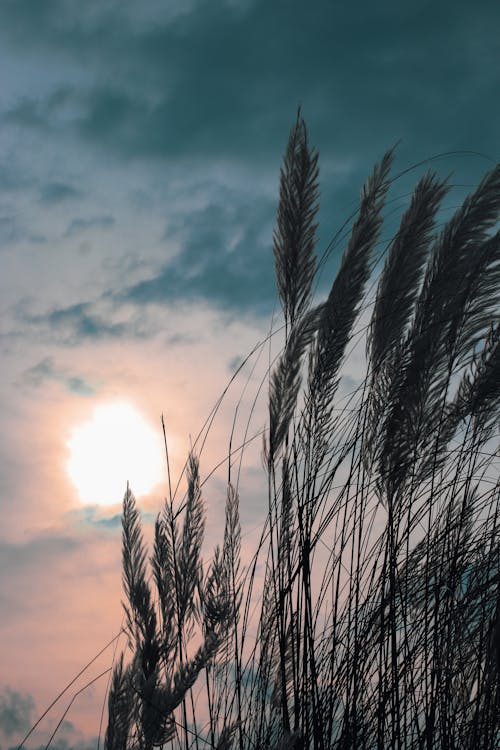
{"x":115,"y":446}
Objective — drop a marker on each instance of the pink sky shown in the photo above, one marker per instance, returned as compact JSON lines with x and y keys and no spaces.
{"x":61,"y":598}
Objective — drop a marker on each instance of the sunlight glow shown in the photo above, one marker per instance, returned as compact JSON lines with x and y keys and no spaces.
{"x":115,"y":446}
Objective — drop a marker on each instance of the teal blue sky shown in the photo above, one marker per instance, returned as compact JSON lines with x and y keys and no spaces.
{"x":152,"y":102}
{"x":139,"y":162}
{"x":205,"y":93}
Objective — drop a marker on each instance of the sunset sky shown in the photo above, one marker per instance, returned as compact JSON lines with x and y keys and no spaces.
{"x":139,"y":160}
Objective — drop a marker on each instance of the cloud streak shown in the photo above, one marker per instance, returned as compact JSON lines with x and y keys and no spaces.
{"x":72,"y":325}
{"x":225,"y":259}
{"x":79,"y":225}
{"x":46,"y":370}
{"x":58,"y":192}
{"x":16,"y":711}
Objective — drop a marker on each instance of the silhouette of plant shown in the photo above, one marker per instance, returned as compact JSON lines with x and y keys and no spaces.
{"x":379,"y":605}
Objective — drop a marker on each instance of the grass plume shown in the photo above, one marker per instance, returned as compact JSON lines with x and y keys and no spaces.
{"x":376,"y":582}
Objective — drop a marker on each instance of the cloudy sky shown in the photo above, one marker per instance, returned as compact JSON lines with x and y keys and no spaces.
{"x":139,"y":159}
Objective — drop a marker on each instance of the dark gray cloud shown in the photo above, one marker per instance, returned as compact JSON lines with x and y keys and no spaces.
{"x":92,"y":516}
{"x":13,"y":231}
{"x":225,"y":258}
{"x":235,"y":362}
{"x":16,"y":711}
{"x":9,"y":230}
{"x":78,"y":385}
{"x":46,"y":547}
{"x":27,"y":113}
{"x":39,"y":373}
{"x":16,"y":718}
{"x":225,"y":79}
{"x":11,"y":179}
{"x":47,"y":370}
{"x":80,"y":321}
{"x":219,"y":83}
{"x":79,"y":225}
{"x":48,"y":112}
{"x":73,"y":324}
{"x":57,"y":192}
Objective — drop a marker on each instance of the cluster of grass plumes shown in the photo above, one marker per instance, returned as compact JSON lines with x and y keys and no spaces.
{"x":379,"y":606}
{"x":164,"y":616}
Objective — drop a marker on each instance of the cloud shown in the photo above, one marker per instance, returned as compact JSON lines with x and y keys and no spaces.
{"x":42,"y":371}
{"x":105,"y":319}
{"x":46,"y":370}
{"x":11,"y":179}
{"x":79,"y":225}
{"x":28,"y":113}
{"x":95,"y":517}
{"x":81,"y":323}
{"x":12,"y":232}
{"x":16,"y":718}
{"x":92,"y":516}
{"x":57,"y":192}
{"x":362,"y":79}
{"x":73,"y":324}
{"x":79,"y":386}
{"x":108,"y":110}
{"x":16,"y":710}
{"x":48,"y":112}
{"x":235,"y":363}
{"x":225,"y":258}
{"x":47,"y":547}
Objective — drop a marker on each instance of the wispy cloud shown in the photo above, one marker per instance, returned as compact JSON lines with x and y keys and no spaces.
{"x":47,"y":370}
{"x":57,"y":192}
{"x":28,"y":113}
{"x":225,"y":259}
{"x":74,"y":324}
{"x":93,"y":516}
{"x":17,"y":714}
{"x":16,"y":711}
{"x":13,"y":231}
{"x":78,"y":225}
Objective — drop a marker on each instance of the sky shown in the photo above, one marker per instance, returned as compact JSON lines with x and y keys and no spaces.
{"x":139,"y":163}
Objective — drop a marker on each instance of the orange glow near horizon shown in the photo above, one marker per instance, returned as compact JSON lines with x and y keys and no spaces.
{"x":114,"y":446}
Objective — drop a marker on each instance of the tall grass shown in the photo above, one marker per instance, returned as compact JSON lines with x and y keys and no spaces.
{"x":377,"y":576}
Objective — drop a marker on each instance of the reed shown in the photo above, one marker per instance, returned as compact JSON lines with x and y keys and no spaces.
{"x":378,"y":625}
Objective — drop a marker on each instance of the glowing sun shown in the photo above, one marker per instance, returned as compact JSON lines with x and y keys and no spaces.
{"x":115,"y":446}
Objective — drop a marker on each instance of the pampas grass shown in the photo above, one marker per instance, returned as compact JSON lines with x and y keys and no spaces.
{"x":378,"y":615}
